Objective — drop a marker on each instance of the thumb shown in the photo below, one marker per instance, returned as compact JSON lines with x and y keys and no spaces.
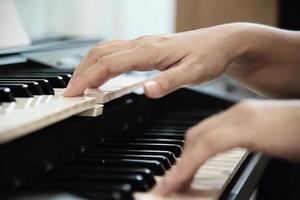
{"x":166,"y":82}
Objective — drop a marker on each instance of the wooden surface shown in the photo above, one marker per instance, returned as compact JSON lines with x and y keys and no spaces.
{"x":30,"y":114}
{"x":194,"y":14}
{"x":115,"y":88}
{"x":210,"y":180}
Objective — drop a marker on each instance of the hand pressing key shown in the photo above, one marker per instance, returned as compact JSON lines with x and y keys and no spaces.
{"x":185,"y":58}
{"x":261,"y":125}
{"x":262,"y":58}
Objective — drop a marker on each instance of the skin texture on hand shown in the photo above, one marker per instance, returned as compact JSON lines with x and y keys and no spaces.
{"x":258,"y":125}
{"x":262,"y":58}
{"x":265,"y":59}
{"x":185,"y":58}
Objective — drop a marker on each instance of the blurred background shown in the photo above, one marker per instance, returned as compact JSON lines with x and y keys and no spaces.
{"x":111,"y":19}
{"x":108,"y":19}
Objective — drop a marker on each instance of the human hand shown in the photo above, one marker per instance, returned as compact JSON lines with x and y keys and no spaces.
{"x":185,"y":58}
{"x":258,"y":125}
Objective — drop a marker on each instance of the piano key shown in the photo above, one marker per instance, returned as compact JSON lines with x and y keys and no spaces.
{"x":86,"y":189}
{"x":153,"y":135}
{"x":165,"y":130}
{"x":34,"y":86}
{"x":171,"y":157}
{"x":176,"y":149}
{"x":161,"y":159}
{"x":115,"y":88}
{"x":144,"y":140}
{"x":138,"y":182}
{"x":6,"y":95}
{"x":145,"y":172}
{"x":175,"y":127}
{"x":66,"y":76}
{"x":154,"y":166}
{"x":206,"y":184}
{"x":107,"y":195}
{"x":45,"y":195}
{"x":189,"y":115}
{"x":50,"y":70}
{"x":45,"y":84}
{"x":55,"y":81}
{"x":185,"y":122}
{"x":18,"y":90}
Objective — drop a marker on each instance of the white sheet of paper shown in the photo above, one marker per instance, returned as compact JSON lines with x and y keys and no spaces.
{"x":12,"y":32}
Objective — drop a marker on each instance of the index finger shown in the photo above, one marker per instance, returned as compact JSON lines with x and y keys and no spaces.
{"x":102,"y":49}
{"x":111,"y":66}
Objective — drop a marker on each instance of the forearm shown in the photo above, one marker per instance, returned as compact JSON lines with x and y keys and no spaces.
{"x":270,"y":62}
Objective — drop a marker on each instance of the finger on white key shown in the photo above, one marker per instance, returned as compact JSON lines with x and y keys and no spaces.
{"x":102,"y":49}
{"x":109,"y":66}
{"x":208,"y":144}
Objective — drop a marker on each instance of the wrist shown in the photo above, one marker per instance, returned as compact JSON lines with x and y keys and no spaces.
{"x":243,"y":44}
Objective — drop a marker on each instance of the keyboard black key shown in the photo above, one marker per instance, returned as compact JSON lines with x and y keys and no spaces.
{"x":162,"y":159}
{"x":18,"y":90}
{"x":45,"y":195}
{"x":138,"y":182}
{"x":171,"y":157}
{"x":171,"y":127}
{"x":45,"y":84}
{"x":34,"y":86}
{"x":145,"y":172}
{"x":157,"y":135}
{"x":107,"y":195}
{"x":144,"y":140}
{"x":55,"y":81}
{"x":165,"y":130}
{"x":51,"y":70}
{"x":184,"y":122}
{"x":66,"y":76}
{"x":154,"y":166}
{"x":176,"y":149}
{"x":88,"y":190}
{"x":6,"y":95}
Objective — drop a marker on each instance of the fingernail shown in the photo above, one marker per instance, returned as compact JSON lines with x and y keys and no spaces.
{"x":152,"y":88}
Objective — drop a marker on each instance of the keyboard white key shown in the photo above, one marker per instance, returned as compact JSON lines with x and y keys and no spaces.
{"x":30,"y":114}
{"x":209,"y":181}
{"x":116,"y":88}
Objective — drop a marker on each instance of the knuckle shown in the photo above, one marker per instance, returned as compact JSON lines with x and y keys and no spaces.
{"x":105,"y":62}
{"x":209,"y":143}
{"x":151,"y":47}
{"x":190,"y":135}
{"x":144,"y":37}
{"x":169,"y":80}
{"x":163,"y":38}
{"x":98,"y":52}
{"x":93,"y":53}
{"x":196,"y":73}
{"x":81,"y":80}
{"x":182,"y":178}
{"x":246,"y":108}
